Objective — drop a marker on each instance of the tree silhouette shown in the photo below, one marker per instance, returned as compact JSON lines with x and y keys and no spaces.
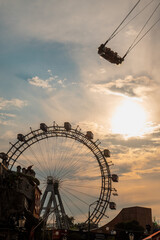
{"x":123,"y":230}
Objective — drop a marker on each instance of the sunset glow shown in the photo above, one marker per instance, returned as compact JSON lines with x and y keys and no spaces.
{"x":129,"y":119}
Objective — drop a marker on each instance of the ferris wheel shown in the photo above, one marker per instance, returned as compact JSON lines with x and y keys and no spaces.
{"x":74,"y":173}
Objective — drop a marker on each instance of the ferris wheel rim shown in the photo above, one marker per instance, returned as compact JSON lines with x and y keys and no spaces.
{"x":59,"y":131}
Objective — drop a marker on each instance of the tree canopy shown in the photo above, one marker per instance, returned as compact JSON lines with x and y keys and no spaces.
{"x":123,"y":230}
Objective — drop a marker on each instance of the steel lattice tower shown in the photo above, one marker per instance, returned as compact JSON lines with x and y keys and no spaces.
{"x":55,"y":201}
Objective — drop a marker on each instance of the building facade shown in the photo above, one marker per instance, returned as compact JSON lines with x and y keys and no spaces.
{"x":19,"y":202}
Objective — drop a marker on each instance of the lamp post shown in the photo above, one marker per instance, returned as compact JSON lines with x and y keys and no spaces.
{"x":131,"y":236}
{"x":21,"y":222}
{"x":21,"y":227}
{"x":89,"y":215}
{"x":113,"y":232}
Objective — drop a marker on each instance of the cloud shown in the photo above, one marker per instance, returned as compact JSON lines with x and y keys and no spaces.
{"x":129,"y":86}
{"x":42,"y":21}
{"x":7,"y":135}
{"x":134,"y":142}
{"x":4,"y":118}
{"x":36,"y":81}
{"x":3,"y":115}
{"x":49,"y":84}
{"x":15,"y":102}
{"x":131,"y":31}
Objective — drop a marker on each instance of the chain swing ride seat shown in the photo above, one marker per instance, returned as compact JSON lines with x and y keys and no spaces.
{"x":110,"y":55}
{"x":113,"y":56}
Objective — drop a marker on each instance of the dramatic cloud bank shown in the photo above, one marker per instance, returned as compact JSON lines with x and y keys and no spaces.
{"x":138,"y":87}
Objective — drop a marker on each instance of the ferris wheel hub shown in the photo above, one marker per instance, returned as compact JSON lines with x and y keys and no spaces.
{"x":52,"y":180}
{"x":49,"y":180}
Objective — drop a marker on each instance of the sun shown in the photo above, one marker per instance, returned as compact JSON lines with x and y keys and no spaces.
{"x":129,"y":119}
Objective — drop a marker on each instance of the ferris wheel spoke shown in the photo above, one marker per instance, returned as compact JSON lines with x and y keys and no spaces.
{"x":73,"y":195}
{"x":47,"y":150}
{"x":37,"y":173}
{"x":63,"y":151}
{"x":36,"y":150}
{"x":83,"y":193}
{"x":56,"y":150}
{"x":41,"y":153}
{"x":78,"y":151}
{"x":69,"y":172}
{"x":83,"y":151}
{"x":61,"y":169}
{"x":44,"y":159}
{"x":34,"y":154}
{"x":72,"y":150}
{"x":74,"y":162}
{"x":76,"y":169}
{"x":67,"y":154}
{"x":60,"y":149}
{"x":68,"y":205}
{"x":21,"y":162}
{"x":65,"y":169}
{"x":53,"y":158}
{"x":81,"y":186}
{"x":52,"y":151}
{"x":75,"y":205}
{"x":51,"y":154}
{"x":66,"y":157}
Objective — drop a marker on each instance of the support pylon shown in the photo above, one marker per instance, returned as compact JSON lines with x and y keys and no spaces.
{"x":56,"y":201}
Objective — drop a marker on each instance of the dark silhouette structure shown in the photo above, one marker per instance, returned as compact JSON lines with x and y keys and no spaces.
{"x":142,"y":215}
{"x":19,"y":202}
{"x":110,"y":55}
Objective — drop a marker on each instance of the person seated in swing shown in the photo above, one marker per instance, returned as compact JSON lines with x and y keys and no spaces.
{"x":109,"y":55}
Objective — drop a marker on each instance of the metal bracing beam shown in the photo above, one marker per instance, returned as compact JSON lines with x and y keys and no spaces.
{"x":48,"y":207}
{"x":43,"y":199}
{"x":64,"y":217}
{"x":57,"y":211}
{"x":55,"y":199}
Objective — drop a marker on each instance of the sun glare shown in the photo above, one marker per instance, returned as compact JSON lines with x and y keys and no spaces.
{"x":129,"y":119}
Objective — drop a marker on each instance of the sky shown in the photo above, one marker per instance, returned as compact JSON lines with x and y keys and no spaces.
{"x":50,"y":71}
